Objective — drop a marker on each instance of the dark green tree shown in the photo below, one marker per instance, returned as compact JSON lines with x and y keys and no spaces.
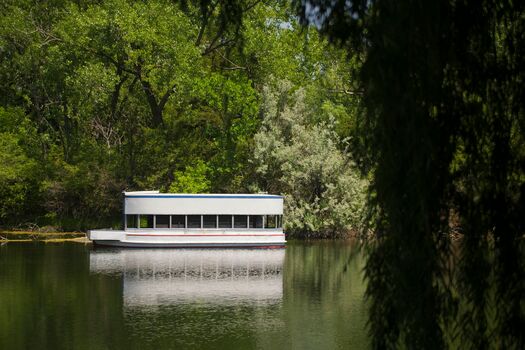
{"x":443,"y":130}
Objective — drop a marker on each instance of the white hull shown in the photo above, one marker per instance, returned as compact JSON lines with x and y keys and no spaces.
{"x":212,"y":238}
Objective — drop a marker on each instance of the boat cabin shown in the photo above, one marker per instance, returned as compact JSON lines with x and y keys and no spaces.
{"x":169,"y":211}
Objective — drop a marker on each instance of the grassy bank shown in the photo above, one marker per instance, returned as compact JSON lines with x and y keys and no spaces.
{"x":48,"y":237}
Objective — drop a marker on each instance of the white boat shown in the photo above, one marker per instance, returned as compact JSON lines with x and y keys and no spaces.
{"x":153,"y":219}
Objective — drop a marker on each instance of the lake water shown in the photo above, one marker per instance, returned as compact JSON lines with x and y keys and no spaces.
{"x":71,"y":296}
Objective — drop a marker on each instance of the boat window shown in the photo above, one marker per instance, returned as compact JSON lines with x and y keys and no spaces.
{"x":279,"y":221}
{"x":271,"y":221}
{"x":194,"y":221}
{"x":209,"y":221}
{"x":131,"y":221}
{"x":146,"y":221}
{"x":162,"y":221}
{"x":225,"y":221}
{"x":256,"y":221}
{"x":240,"y":221}
{"x":178,"y":221}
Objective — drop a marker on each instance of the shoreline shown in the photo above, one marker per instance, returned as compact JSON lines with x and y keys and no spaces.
{"x":10,"y":236}
{"x":14,"y":236}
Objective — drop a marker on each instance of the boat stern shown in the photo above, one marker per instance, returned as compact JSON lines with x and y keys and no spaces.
{"x":106,"y":235}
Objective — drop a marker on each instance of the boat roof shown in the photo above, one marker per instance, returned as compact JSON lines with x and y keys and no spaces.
{"x":157,"y":194}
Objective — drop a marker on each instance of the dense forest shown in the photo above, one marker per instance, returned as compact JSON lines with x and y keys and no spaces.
{"x":97,"y":97}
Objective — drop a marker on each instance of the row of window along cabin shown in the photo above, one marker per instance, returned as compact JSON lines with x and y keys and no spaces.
{"x":203,"y":221}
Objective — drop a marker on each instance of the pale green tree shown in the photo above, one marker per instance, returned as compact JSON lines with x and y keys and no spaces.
{"x":324,"y":193}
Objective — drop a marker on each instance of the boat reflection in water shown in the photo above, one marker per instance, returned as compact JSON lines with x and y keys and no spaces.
{"x":166,"y":276}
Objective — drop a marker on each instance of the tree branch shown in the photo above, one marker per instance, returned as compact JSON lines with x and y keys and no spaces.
{"x":206,"y":16}
{"x":166,"y":96}
{"x":211,"y":48}
{"x":252,"y":5}
{"x":116,"y":93}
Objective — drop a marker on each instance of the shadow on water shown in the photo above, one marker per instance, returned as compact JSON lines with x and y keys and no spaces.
{"x":48,"y":299}
{"x":71,"y":296}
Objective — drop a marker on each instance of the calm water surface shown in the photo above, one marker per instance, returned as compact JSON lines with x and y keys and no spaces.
{"x":71,"y":296}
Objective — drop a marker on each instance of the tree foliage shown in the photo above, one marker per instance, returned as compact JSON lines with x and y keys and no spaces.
{"x":306,"y":162}
{"x":100,"y":97}
{"x":19,"y":173}
{"x":443,"y":132}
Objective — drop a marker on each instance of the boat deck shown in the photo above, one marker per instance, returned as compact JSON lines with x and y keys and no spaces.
{"x":189,"y":238}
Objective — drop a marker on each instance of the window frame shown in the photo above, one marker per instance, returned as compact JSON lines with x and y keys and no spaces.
{"x":274,"y":217}
{"x":146,"y":218}
{"x":156,"y":221}
{"x":194,"y":217}
{"x":240,"y":221}
{"x":215,"y":220}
